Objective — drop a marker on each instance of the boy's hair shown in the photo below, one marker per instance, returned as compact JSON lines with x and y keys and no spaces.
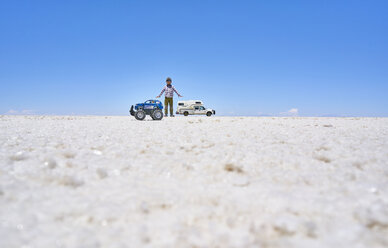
{"x":168,"y":79}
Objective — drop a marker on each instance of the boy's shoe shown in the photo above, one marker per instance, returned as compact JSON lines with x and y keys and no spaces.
{"x":172,"y":115}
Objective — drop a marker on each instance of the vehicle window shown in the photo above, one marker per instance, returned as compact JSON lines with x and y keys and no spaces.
{"x":196,"y":108}
{"x":202,"y":108}
{"x":181,"y":104}
{"x":198,"y":102}
{"x":148,"y":102}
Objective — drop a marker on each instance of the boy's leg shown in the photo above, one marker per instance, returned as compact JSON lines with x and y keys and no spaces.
{"x":171,"y":106}
{"x":165,"y":106}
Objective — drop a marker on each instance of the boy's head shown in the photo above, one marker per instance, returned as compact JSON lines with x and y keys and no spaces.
{"x":168,"y":81}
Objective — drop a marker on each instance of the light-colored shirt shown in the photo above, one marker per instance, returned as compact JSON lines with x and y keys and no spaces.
{"x":169,"y":91}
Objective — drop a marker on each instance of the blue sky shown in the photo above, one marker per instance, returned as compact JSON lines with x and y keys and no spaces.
{"x":240,"y":57}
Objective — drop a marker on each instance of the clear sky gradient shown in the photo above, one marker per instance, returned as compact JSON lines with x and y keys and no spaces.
{"x":318,"y":58}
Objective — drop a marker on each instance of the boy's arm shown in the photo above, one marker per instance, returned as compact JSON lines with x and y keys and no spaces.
{"x":164,"y":89}
{"x":176,"y":92}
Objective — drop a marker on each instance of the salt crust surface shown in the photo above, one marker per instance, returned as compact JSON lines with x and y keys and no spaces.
{"x":84,"y":182}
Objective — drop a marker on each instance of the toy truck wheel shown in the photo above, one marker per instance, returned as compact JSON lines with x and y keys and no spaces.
{"x":186,"y":113}
{"x":131,"y":111}
{"x":209,"y":113}
{"x":140,"y":115}
{"x":157,"y":115}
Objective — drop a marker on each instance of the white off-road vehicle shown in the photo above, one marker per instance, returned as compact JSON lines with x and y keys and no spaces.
{"x":193,"y":107}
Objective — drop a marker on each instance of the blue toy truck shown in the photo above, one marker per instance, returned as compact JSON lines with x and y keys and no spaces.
{"x":152,"y":108}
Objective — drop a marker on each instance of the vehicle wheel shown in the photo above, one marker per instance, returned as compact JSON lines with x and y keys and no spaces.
{"x":157,"y":115}
{"x":209,"y":113}
{"x":131,"y":111}
{"x":140,"y":115}
{"x":186,"y":113}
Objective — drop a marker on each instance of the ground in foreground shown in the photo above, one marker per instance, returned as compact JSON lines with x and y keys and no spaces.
{"x":193,"y":182}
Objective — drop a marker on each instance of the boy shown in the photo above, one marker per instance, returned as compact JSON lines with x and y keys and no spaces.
{"x":168,"y":100}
